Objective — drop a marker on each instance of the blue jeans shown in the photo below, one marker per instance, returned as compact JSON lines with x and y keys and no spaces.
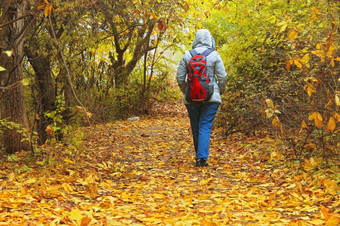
{"x":201,"y":119}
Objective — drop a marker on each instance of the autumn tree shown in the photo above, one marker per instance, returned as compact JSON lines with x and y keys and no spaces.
{"x":13,"y":106}
{"x":39,"y":57}
{"x":44,"y":55}
{"x":282,"y":68}
{"x":135,"y":28}
{"x":102,"y":43}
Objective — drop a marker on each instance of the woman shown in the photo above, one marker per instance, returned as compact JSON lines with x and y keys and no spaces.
{"x":202,"y":115}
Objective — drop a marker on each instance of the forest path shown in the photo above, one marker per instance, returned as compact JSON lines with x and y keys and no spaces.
{"x":142,"y":173}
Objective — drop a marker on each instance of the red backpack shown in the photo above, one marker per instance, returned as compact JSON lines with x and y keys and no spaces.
{"x":200,"y":87}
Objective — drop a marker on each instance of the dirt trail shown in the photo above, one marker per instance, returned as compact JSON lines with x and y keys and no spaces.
{"x":142,"y":173}
{"x":160,"y":184}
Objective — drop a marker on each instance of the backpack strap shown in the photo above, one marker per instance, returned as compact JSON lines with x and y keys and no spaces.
{"x":193,"y":52}
{"x":207,"y":52}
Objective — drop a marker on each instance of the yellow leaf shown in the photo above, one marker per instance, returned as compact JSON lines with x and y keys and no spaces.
{"x":51,"y":9}
{"x":269,"y":113}
{"x":46,"y":11}
{"x":207,"y":223}
{"x":318,"y":116}
{"x":75,"y":215}
{"x":25,"y":82}
{"x":318,"y":46}
{"x":313,"y":16}
{"x":276,"y":122}
{"x":330,"y":51}
{"x":310,"y":89}
{"x":303,"y":125}
{"x":159,"y":196}
{"x":298,"y":63}
{"x":79,"y":108}
{"x":69,"y":161}
{"x":283,"y":28}
{"x":299,"y":185}
{"x":332,"y":63}
{"x":204,"y":182}
{"x":324,"y":212}
{"x":317,"y":119}
{"x":300,"y":223}
{"x":316,"y":222}
{"x":318,"y":122}
{"x":337,"y":116}
{"x":311,"y":117}
{"x":23,"y":191}
{"x":92,"y":189}
{"x":336,"y":204}
{"x":293,"y":46}
{"x":11,"y":176}
{"x":275,"y":156}
{"x":90,"y":179}
{"x":277,"y":111}
{"x":292,"y":34}
{"x":333,"y":221}
{"x":311,"y":163}
{"x":305,"y":59}
{"x":89,"y":114}
{"x":67,"y":187}
{"x":30,"y":181}
{"x":337,"y":99}
{"x":270,"y":103}
{"x":331,"y":186}
{"x":282,"y":23}
{"x":9,"y":53}
{"x":331,"y":125}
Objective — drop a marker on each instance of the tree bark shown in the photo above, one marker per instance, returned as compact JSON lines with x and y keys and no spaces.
{"x":45,"y":87}
{"x":13,"y":107}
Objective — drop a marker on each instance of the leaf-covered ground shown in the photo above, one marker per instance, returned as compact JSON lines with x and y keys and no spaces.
{"x":142,"y":173}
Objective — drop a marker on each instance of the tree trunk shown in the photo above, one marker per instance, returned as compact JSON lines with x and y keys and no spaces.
{"x":46,"y":96}
{"x":13,"y":107}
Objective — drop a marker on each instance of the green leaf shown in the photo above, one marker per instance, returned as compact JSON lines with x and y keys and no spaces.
{"x":2,"y":69}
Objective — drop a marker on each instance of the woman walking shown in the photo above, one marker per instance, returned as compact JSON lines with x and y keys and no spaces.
{"x":202,"y":113}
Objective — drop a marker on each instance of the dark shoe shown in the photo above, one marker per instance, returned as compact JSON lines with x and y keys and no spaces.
{"x":201,"y":163}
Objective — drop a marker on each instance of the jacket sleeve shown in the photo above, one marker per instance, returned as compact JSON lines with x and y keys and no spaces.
{"x":221,"y":74}
{"x":182,"y":71}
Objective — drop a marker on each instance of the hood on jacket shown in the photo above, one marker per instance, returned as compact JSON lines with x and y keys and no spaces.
{"x":203,"y":39}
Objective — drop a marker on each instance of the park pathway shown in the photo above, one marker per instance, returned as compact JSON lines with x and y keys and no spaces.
{"x":159,"y":184}
{"x":142,"y":173}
